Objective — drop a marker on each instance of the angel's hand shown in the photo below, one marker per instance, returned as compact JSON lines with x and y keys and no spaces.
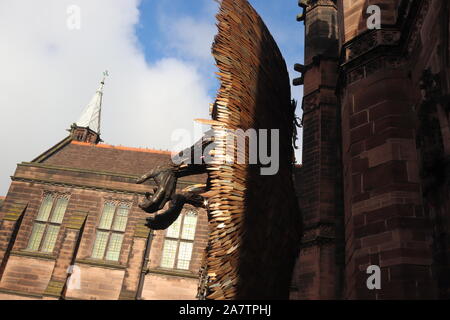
{"x":142,"y":179}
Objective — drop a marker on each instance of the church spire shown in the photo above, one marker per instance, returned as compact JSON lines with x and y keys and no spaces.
{"x":91,"y":114}
{"x":87,"y":128}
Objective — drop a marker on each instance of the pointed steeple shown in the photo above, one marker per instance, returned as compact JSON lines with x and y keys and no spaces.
{"x":87,"y":128}
{"x":91,"y":114}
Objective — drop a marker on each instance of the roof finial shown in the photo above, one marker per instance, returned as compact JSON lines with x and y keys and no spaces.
{"x":105,"y":74}
{"x":92,"y":113}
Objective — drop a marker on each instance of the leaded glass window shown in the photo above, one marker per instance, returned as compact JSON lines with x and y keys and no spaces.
{"x":179,"y":242}
{"x":48,"y":222}
{"x":110,"y":231}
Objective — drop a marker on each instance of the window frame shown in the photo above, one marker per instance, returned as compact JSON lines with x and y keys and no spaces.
{"x":56,"y":197}
{"x":117,"y":205}
{"x":180,"y":240}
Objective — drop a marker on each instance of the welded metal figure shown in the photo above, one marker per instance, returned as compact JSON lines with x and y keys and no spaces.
{"x":191,"y":162}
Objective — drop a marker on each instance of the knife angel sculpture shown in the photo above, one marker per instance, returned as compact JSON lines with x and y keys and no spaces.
{"x":253,"y":218}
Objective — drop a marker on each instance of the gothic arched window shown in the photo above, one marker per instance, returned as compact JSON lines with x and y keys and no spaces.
{"x":47,"y":223}
{"x":110,"y":231}
{"x":179,"y":241}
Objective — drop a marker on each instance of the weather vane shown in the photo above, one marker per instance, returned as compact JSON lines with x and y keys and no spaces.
{"x":105,"y":74}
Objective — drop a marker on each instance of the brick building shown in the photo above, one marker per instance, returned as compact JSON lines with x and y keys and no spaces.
{"x":373,"y":187}
{"x":71,"y":228}
{"x":376,"y":154}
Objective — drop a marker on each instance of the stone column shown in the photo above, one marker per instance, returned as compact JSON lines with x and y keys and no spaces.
{"x":317,"y":273}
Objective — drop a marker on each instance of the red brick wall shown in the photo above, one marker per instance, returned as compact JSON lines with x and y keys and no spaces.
{"x":164,"y":287}
{"x":27,"y":275}
{"x":385,"y":222}
{"x":44,"y":275}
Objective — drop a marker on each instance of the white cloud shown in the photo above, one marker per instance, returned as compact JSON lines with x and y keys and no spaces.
{"x":48,"y":73}
{"x":197,"y":42}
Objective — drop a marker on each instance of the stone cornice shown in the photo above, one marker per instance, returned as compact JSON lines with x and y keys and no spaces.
{"x":101,"y":264}
{"x":36,"y":255}
{"x":73,"y":185}
{"x":174,"y":273}
{"x":369,"y":41}
{"x":312,"y":4}
{"x":386,"y":48}
{"x":103,"y":173}
{"x":52,"y":182}
{"x":61,"y":168}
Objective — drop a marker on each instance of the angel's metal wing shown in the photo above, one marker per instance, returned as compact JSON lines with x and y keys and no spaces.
{"x":254,"y":219}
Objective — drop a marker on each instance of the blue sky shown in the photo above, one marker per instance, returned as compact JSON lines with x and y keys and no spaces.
{"x":159,"y":35}
{"x":158,"y":53}
{"x":156,"y":16}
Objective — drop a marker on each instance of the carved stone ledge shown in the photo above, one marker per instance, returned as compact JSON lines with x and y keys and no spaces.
{"x":51,"y":182}
{"x":174,"y":273}
{"x":101,"y":264}
{"x":374,"y":66}
{"x":371,"y":40}
{"x":32,"y":254}
{"x":311,"y":4}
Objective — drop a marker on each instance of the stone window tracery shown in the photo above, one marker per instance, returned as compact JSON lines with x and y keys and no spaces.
{"x":110,"y":231}
{"x":48,"y":222}
{"x":179,"y":241}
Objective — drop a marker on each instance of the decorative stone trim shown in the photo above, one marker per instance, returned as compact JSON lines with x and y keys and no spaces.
{"x":82,"y":186}
{"x":118,"y":203}
{"x":56,"y":194}
{"x":175,"y":273}
{"x":74,"y":185}
{"x":311,"y":4}
{"x":31,"y":254}
{"x":61,"y":168}
{"x":102,"y":264}
{"x":370,"y":40}
{"x":373,"y":66}
{"x":104,"y":173}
